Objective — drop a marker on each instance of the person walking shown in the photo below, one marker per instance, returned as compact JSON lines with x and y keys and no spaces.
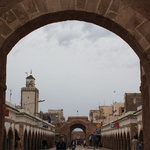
{"x":44,"y":143}
{"x":73,"y":144}
{"x":18,"y":144}
{"x":141,"y":145}
{"x":84,"y":143}
{"x":134,"y":143}
{"x":61,"y":145}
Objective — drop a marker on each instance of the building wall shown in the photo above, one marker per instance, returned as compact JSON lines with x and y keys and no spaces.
{"x":20,"y":122}
{"x":56,"y":116}
{"x":117,"y":108}
{"x":132,"y":101}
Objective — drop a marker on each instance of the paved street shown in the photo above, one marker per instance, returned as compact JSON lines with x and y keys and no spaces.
{"x":81,"y":148}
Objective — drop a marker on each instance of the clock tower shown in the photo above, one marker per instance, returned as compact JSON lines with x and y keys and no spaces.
{"x":30,"y":96}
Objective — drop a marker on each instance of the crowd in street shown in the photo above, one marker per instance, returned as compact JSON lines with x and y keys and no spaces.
{"x":94,"y":141}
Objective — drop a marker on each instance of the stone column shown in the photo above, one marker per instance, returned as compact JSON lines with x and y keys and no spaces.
{"x":21,"y":131}
{"x":145,"y":90}
{"x":2,"y":96}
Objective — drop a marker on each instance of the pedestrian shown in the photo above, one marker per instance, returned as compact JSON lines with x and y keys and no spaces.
{"x":84,"y":143}
{"x":141,"y":145}
{"x":134,"y":143}
{"x":18,"y":144}
{"x":90,"y":140}
{"x":61,"y":145}
{"x":44,"y":144}
{"x":73,"y":144}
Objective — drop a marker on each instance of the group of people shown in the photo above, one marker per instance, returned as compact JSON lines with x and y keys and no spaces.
{"x":95,"y":141}
{"x":61,"y":145}
{"x":136,"y":145}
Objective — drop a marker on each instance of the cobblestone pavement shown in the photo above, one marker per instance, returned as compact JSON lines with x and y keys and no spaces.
{"x":81,"y":148}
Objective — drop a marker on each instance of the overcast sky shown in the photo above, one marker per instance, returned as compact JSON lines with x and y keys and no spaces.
{"x":77,"y":67}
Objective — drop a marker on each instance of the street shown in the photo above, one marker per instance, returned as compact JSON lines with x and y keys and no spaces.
{"x":80,"y":148}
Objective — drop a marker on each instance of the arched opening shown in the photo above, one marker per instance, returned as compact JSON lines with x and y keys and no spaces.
{"x":29,"y":140}
{"x":110,"y":138}
{"x":78,"y":133}
{"x":25,"y":140}
{"x":36,"y":140}
{"x":141,"y":135}
{"x":33,"y":141}
{"x":16,"y":135}
{"x":75,"y":68}
{"x":128,"y":141}
{"x":10,"y":144}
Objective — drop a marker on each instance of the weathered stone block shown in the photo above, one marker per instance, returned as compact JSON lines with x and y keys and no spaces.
{"x":64,"y":4}
{"x":80,"y":4}
{"x":144,"y":29}
{"x":115,"y":6}
{"x":20,"y":13}
{"x":4,"y":29}
{"x":42,"y":5}
{"x":53,"y":5}
{"x":9,"y":17}
{"x":129,"y":19}
{"x":1,"y":41}
{"x":103,"y":6}
{"x":144,"y":43}
{"x":30,"y":7}
{"x":11,"y":20}
{"x":91,"y":6}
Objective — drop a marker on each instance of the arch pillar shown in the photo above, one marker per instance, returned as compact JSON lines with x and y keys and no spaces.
{"x":2,"y":95}
{"x":145,"y":90}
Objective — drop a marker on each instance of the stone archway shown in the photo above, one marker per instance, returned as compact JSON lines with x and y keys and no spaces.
{"x":128,"y":19}
{"x":76,"y":122}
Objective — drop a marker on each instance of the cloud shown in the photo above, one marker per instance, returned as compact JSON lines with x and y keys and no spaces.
{"x":94,"y":32}
{"x":65,"y":33}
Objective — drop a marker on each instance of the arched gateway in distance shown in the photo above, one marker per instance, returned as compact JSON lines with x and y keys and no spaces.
{"x":74,"y":122}
{"x":128,"y":19}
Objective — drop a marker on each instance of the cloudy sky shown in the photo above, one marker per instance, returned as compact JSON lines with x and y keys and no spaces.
{"x":77,"y":67}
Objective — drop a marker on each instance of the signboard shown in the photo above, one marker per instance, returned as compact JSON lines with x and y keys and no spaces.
{"x":6,"y":112}
{"x":98,"y":130}
{"x":114,"y":125}
{"x":99,"y":125}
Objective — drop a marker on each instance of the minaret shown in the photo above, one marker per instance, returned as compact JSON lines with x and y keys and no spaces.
{"x":30,"y":96}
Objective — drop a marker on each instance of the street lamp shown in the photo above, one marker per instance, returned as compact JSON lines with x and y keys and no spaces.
{"x":42,"y":100}
{"x":34,"y":102}
{"x":35,"y":107}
